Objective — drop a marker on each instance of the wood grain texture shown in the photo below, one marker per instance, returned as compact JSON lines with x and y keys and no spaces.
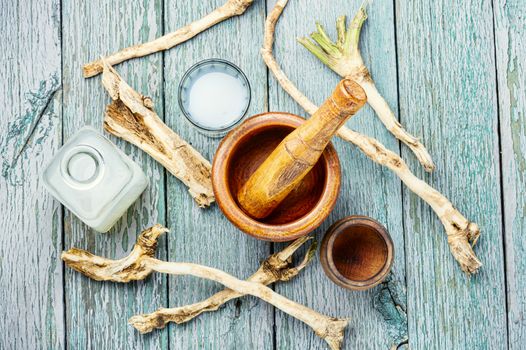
{"x":31,"y":306}
{"x":206,"y":236}
{"x":378,"y":315}
{"x":457,"y":82}
{"x":510,"y":29}
{"x":97,"y":313}
{"x":447,"y":91}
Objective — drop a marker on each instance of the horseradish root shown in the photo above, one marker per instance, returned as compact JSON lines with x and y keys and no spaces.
{"x":276,"y":267}
{"x":461,"y":233}
{"x":141,"y":263}
{"x":131,"y":117}
{"x":230,"y":9}
{"x":345,"y":59}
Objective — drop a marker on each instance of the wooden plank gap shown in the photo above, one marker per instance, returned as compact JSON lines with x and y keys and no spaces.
{"x":501,"y":171}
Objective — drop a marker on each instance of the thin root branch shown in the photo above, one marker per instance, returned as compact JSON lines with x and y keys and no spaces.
{"x":140,"y":263}
{"x":276,"y":267}
{"x":229,"y":9}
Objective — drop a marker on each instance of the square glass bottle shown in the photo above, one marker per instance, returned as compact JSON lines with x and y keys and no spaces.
{"x":96,"y":181}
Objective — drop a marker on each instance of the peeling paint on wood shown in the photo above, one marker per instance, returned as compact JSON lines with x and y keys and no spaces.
{"x":97,"y":313}
{"x":19,"y":131}
{"x":31,"y":294}
{"x":510,"y":30}
{"x":389,"y":301}
{"x":445,"y":85}
{"x":205,"y":236}
{"x":367,"y":188}
{"x":447,"y":91}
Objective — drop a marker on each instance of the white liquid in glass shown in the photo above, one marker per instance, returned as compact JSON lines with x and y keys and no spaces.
{"x":217,"y":99}
{"x":214,"y":95}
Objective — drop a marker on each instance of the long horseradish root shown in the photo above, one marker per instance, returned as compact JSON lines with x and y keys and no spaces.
{"x":141,"y":262}
{"x":276,"y":267}
{"x":230,"y":9}
{"x":461,"y":233}
{"x":345,"y":59}
{"x":131,"y":117}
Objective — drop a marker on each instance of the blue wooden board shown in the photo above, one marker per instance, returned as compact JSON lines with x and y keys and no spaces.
{"x":452,"y":72}
{"x":447,"y":91}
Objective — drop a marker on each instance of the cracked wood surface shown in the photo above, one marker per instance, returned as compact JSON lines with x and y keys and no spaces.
{"x":447,"y":88}
{"x":246,"y":323}
{"x":96,"y":313}
{"x":510,"y":27}
{"x":439,"y":60}
{"x":31,"y":290}
{"x":366,"y":188}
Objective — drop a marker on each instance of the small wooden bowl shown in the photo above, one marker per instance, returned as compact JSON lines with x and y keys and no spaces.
{"x":240,"y":154}
{"x":357,"y":252}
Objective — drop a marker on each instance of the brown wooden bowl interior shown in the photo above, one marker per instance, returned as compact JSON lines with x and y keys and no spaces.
{"x":357,"y":252}
{"x":248,"y":155}
{"x":241,"y":153}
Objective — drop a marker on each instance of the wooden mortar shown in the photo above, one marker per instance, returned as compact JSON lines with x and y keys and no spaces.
{"x":243,"y":150}
{"x":297,"y":154}
{"x":357,"y":252}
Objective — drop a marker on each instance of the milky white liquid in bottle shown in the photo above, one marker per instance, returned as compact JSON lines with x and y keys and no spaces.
{"x":94,"y":179}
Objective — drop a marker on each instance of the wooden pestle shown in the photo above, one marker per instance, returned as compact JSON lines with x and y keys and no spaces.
{"x":295,"y":156}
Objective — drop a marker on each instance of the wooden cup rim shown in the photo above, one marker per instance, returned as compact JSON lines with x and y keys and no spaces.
{"x":326,"y":252}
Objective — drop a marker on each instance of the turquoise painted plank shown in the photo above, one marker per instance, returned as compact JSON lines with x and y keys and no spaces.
{"x":97,"y":313}
{"x":378,"y":316}
{"x":448,"y":92}
{"x":31,"y":310}
{"x":510,"y":29}
{"x":205,"y":236}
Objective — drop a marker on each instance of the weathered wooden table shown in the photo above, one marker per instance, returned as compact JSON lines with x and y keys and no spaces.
{"x":453,"y":72}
